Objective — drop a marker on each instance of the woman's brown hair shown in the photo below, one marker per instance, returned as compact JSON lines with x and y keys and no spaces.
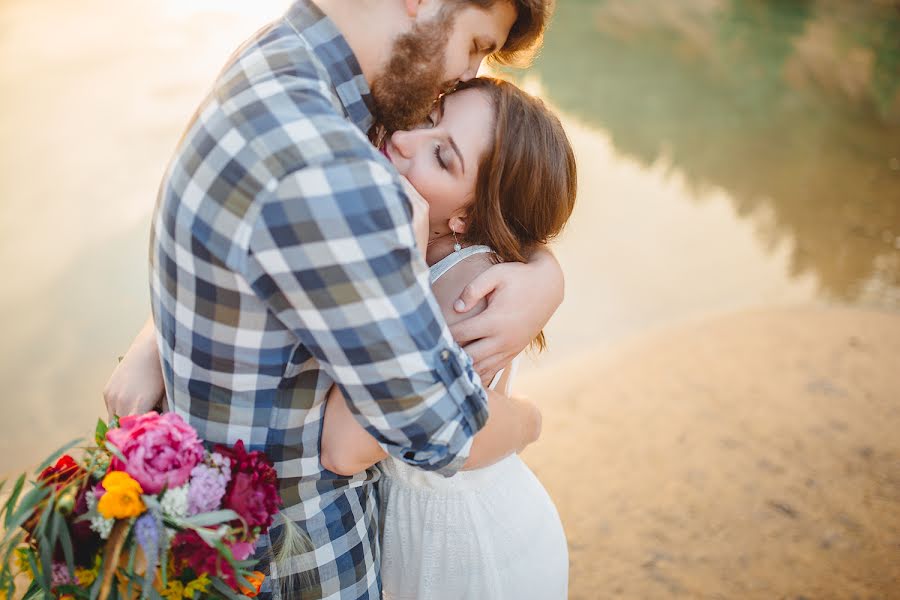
{"x":527,"y":179}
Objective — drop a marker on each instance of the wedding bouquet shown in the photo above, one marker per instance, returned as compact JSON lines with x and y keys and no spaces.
{"x":146,"y":513}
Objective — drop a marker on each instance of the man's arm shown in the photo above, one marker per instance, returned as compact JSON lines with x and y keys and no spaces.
{"x":332,"y":254}
{"x":522,"y":298}
{"x":348,"y":449}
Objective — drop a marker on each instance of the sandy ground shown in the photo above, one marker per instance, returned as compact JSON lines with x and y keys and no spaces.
{"x":749,"y":456}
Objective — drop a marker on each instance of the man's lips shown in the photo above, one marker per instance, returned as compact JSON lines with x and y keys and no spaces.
{"x":384,"y":150}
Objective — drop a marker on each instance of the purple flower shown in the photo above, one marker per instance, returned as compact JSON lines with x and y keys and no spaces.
{"x":147,"y":530}
{"x":59,"y":575}
{"x":208,"y":484}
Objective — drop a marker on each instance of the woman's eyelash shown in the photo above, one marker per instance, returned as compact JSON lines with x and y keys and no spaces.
{"x":437,"y":155}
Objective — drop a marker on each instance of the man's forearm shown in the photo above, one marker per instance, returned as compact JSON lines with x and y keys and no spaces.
{"x":551,"y":274}
{"x":512,"y":425}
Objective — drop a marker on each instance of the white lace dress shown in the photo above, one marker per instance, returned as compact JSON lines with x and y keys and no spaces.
{"x":492,"y":533}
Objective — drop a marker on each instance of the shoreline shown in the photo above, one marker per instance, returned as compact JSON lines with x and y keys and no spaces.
{"x":750,"y":455}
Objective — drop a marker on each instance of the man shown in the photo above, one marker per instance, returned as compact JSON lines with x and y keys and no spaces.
{"x":283,"y":261}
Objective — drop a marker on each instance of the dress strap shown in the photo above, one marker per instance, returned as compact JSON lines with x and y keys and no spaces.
{"x":454,"y":258}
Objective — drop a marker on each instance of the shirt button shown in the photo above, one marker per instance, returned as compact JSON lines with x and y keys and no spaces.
{"x":445,"y":355}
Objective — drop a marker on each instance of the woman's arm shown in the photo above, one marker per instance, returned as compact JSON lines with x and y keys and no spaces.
{"x":521,"y":299}
{"x":348,"y":449}
{"x":513,"y":423}
{"x":136,"y":385}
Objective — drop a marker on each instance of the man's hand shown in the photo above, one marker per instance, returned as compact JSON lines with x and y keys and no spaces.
{"x":420,"y":211}
{"x":521,"y":299}
{"x":136,"y":386}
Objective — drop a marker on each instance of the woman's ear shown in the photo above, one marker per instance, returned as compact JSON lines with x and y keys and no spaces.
{"x":458,"y":224}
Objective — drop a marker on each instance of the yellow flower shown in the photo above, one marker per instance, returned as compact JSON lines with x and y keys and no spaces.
{"x":198,"y":585}
{"x":122,"y":499}
{"x":22,"y":562}
{"x":174,"y":590}
{"x":85,"y":577}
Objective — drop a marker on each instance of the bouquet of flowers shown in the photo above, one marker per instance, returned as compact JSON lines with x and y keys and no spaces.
{"x":147,"y":512}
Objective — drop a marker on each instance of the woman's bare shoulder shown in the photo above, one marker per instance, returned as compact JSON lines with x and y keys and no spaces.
{"x":448,"y":288}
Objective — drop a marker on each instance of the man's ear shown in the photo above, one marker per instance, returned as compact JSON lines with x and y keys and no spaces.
{"x":458,"y":224}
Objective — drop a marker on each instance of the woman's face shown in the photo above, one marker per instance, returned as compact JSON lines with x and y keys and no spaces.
{"x":441,"y":157}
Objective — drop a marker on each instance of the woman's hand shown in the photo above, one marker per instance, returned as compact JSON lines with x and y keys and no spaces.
{"x":521,"y":299}
{"x":136,"y":386}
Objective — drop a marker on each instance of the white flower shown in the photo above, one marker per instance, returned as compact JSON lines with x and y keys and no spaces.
{"x":175,"y":502}
{"x":102,"y":526}
{"x":99,"y":524}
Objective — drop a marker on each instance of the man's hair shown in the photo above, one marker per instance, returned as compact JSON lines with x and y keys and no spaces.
{"x":527,"y":33}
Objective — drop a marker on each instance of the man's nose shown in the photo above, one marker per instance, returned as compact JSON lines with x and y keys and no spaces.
{"x":472,"y":69}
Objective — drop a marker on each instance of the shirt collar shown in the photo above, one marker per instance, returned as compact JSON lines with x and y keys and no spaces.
{"x":329,"y":45}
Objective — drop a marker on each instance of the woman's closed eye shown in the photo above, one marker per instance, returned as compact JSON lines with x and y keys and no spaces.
{"x":439,"y":158}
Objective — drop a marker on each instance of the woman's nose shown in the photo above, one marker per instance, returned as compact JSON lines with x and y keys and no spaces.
{"x":406,"y":142}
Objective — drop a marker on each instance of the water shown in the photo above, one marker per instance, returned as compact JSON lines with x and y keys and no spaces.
{"x":731,"y":155}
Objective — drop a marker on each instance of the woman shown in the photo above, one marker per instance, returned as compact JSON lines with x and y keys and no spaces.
{"x":499,"y":177}
{"x":498,"y":174}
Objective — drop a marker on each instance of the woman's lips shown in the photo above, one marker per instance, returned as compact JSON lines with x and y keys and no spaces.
{"x":384,"y":150}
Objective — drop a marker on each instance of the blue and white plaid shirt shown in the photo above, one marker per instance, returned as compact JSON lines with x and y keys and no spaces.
{"x":282,"y":262}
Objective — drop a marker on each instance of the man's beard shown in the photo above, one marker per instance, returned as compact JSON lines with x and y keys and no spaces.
{"x":406,"y":90}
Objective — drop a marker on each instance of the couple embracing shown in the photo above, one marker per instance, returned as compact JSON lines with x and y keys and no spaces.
{"x":348,"y":253}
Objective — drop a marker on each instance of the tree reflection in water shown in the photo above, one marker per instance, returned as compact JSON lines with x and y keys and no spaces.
{"x":792,"y":107}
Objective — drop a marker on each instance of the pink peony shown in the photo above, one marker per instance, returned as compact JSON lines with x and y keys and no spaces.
{"x":159,"y":450}
{"x":241,"y":550}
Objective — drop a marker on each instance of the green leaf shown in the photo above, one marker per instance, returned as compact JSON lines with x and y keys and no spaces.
{"x":33,"y":592}
{"x":66,"y":541}
{"x":98,"y":583}
{"x":14,"y":542}
{"x":209,"y":519}
{"x":152,"y":503}
{"x":225,"y":553}
{"x":224,"y":589}
{"x":115,"y":451}
{"x":25,"y":510}
{"x":131,"y":557}
{"x":100,"y":432}
{"x":40,"y":578}
{"x":10,"y":505}
{"x":53,"y":457}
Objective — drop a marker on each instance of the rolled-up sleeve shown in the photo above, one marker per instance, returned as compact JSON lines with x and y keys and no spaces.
{"x":332,"y":253}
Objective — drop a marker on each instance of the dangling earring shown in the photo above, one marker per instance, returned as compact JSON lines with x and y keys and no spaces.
{"x":456,"y":246}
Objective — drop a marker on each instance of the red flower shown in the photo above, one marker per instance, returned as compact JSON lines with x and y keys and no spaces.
{"x":252,"y":491}
{"x":189,"y":550}
{"x":64,"y":471}
{"x":84,"y":541}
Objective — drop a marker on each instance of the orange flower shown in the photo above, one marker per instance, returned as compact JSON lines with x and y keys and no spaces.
{"x":122,"y":498}
{"x":255,"y":579}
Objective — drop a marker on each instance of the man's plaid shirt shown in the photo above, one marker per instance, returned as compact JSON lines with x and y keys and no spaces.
{"x":283,"y":261}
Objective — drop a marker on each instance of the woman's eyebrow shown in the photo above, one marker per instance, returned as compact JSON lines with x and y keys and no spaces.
{"x":458,"y":153}
{"x":450,"y":139}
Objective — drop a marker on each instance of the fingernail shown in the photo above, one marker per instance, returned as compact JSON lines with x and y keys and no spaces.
{"x":459,"y":305}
